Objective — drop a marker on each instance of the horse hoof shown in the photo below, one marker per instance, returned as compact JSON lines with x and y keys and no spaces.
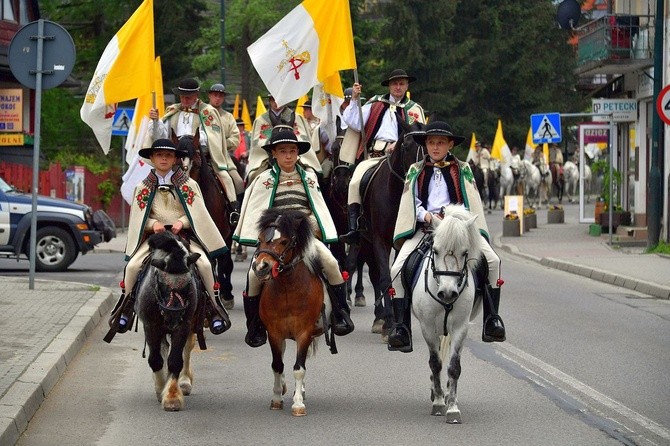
{"x":185,"y":387}
{"x":360,"y":302}
{"x":377,"y":326}
{"x":229,"y":304}
{"x":454,"y":416}
{"x":385,"y":338}
{"x":276,"y":405}
{"x":439,"y":411}
{"x":172,"y":406}
{"x":298,"y":411}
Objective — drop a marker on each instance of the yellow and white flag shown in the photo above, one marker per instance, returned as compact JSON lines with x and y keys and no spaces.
{"x":307,"y":47}
{"x":326,"y":107}
{"x":472,"y":153}
{"x":500,"y":150}
{"x":236,"y":107}
{"x":530,"y":146}
{"x":299,"y":109}
{"x":124,"y":72}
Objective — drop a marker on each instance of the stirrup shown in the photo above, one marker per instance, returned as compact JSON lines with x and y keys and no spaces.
{"x":493,"y":338}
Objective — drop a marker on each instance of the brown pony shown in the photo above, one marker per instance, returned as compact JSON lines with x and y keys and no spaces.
{"x":292,"y":298}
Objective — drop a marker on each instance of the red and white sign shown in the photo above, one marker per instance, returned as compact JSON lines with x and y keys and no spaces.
{"x":663,"y":104}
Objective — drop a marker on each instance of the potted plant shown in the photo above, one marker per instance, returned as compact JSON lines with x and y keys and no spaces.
{"x":555,"y":214}
{"x":529,"y":218}
{"x":511,"y":225}
{"x":619,"y":215}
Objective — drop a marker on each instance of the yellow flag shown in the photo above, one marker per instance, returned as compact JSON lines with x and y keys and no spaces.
{"x":260,"y":107}
{"x":545,"y":152}
{"x":299,"y":107}
{"x":245,"y":116}
{"x":236,"y":107}
{"x":473,"y":141}
{"x":500,"y":149}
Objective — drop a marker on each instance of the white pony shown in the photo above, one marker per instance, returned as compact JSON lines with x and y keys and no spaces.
{"x":571,"y":174}
{"x":506,"y":181}
{"x":531,"y":178}
{"x":443,"y":300}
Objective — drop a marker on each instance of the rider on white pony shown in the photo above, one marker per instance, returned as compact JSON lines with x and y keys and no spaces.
{"x":437,"y":181}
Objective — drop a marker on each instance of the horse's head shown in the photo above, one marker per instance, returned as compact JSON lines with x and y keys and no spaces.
{"x":190,"y":145}
{"x":455,"y":243}
{"x":175,"y":284}
{"x":285,"y":237}
{"x":406,"y":151}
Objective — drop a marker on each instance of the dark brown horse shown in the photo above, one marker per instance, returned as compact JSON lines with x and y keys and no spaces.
{"x":217,"y":204}
{"x":292,"y":297}
{"x":558,"y":181}
{"x":381,"y":201}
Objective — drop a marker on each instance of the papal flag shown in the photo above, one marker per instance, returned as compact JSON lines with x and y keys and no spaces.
{"x":500,"y":150}
{"x":530,"y":147}
{"x":260,"y":107}
{"x":236,"y":107}
{"x":124,"y":72}
{"x":326,"y":107}
{"x":246,"y":117}
{"x":307,"y":47}
{"x":472,"y":153}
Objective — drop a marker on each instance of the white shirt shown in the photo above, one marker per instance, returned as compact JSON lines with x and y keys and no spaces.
{"x":388,"y":130}
{"x":165,"y":179}
{"x":438,"y":196}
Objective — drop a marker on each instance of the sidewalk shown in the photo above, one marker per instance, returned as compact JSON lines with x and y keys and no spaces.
{"x":43,"y":329}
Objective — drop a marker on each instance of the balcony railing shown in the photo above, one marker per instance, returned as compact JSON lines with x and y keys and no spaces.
{"x":615,"y":44}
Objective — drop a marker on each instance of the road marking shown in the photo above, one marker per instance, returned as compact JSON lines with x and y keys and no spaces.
{"x":583,"y":388}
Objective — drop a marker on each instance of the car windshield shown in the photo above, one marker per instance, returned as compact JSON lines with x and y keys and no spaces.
{"x":4,"y":187}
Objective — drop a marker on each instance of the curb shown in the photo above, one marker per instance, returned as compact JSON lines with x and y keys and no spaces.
{"x":26,"y":395}
{"x":627,"y":282}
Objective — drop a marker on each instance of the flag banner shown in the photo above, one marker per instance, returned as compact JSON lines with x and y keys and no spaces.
{"x":137,"y":134}
{"x":138,"y":169}
{"x":530,"y":147}
{"x":473,"y":151}
{"x":326,"y":107}
{"x":545,"y":152}
{"x":299,"y":109}
{"x":246,"y":117}
{"x":124,"y":72}
{"x":236,"y":107}
{"x":500,"y":149}
{"x":308,"y":46}
{"x":260,"y":107}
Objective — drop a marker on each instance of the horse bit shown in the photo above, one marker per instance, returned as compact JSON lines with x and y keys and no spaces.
{"x":462,"y":275}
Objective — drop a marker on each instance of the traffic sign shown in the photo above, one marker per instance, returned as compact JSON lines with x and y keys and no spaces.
{"x":546,"y":128}
{"x":123,"y":117}
{"x":663,"y":104}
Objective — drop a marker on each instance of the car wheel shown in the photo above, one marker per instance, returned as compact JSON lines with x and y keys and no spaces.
{"x":55,"y":250}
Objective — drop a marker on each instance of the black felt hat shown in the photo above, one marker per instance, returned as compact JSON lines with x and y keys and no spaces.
{"x":187,"y":87}
{"x":438,"y":128}
{"x":398,"y":74}
{"x":284,"y":134}
{"x":161,"y":144}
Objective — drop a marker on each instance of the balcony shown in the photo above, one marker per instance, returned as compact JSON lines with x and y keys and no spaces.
{"x":615,"y":44}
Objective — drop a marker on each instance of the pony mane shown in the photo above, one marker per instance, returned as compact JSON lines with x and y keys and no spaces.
{"x":173,"y":250}
{"x":291,"y":223}
{"x":457,"y":230}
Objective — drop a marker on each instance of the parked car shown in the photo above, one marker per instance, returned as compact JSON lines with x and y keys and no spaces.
{"x":64,"y":228}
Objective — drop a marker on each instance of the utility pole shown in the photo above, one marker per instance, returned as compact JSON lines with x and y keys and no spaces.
{"x":223,"y":42}
{"x":655,"y":198}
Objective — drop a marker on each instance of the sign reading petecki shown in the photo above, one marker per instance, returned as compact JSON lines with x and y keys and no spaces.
{"x":624,"y":110}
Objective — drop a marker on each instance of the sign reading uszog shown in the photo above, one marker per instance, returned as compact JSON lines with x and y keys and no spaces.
{"x":623,"y":110}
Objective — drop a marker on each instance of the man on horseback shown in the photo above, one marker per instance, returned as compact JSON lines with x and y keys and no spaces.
{"x":190,"y":115}
{"x":259,"y":160}
{"x":288,"y":186}
{"x":380,"y":121}
{"x":168,"y":198}
{"x":217,"y":97}
{"x":436,"y":181}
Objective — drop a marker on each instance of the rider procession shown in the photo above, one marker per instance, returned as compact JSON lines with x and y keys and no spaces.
{"x":436,"y":181}
{"x":168,"y":200}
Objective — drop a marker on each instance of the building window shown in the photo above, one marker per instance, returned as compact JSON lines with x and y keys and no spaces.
{"x":8,"y":11}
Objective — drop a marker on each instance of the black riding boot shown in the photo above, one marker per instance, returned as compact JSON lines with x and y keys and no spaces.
{"x":233,"y":212}
{"x":256,"y":335}
{"x":341,"y":322}
{"x":122,"y":317}
{"x":218,"y":318}
{"x":493,"y":329}
{"x":352,"y":237}
{"x":400,"y":338}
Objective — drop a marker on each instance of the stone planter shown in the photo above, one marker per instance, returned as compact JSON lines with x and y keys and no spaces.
{"x":511,"y":228}
{"x":555,"y":216}
{"x":530,"y":221}
{"x":618,"y":218}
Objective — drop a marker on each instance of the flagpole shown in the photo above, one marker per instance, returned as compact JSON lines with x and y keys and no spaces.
{"x":154,"y":130}
{"x":360,"y":115}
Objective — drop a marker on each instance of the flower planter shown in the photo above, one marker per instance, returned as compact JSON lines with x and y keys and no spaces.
{"x":555,"y":216}
{"x":530,"y":221}
{"x":618,"y":218}
{"x":511,"y":228}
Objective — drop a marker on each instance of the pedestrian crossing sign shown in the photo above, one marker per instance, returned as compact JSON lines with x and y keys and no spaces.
{"x":122,"y":119}
{"x":546,"y":128}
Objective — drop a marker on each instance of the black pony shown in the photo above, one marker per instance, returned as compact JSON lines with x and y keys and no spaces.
{"x":170,"y":305}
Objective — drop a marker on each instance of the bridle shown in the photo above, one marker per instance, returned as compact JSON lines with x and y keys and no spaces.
{"x":402,"y":150}
{"x":280,"y":266}
{"x":170,"y":296}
